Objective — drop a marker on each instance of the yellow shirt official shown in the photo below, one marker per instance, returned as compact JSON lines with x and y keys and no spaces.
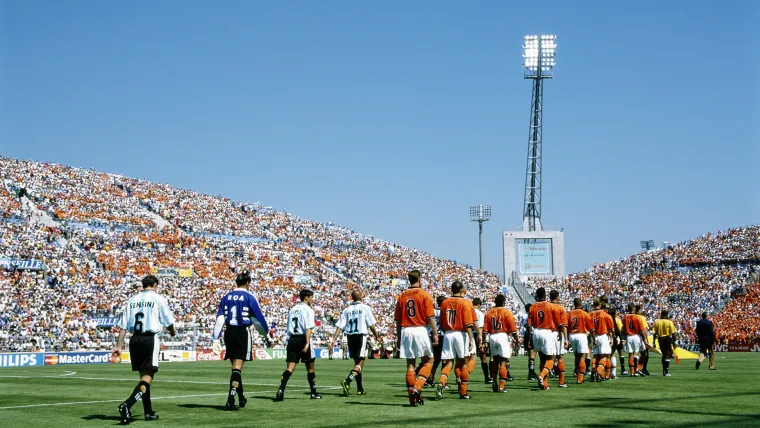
{"x":664,"y":328}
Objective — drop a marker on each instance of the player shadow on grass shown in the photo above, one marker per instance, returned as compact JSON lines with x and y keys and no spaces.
{"x":366,"y":403}
{"x":102,"y":418}
{"x":201,"y":406}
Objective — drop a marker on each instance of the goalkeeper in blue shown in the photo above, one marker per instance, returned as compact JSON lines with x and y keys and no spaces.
{"x":238,"y":311}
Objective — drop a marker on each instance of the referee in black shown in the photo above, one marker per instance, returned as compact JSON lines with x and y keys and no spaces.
{"x":238,"y":311}
{"x":706,"y":337}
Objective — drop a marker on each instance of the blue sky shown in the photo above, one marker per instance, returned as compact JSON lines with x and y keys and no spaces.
{"x":393,"y":117}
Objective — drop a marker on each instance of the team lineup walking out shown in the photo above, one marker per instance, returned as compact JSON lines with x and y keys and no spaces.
{"x":450,"y":335}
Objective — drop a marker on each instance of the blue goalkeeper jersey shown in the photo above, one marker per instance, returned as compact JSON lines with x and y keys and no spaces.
{"x":241,"y":309}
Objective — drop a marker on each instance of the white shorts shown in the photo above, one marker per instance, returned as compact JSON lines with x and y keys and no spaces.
{"x":545,"y":341}
{"x":602,"y":345}
{"x":500,"y":345}
{"x":561,"y":347}
{"x":415,"y":343}
{"x":456,"y":344}
{"x":579,"y":343}
{"x":634,"y":344}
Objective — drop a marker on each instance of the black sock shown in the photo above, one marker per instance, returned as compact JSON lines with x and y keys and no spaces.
{"x":494,"y":370}
{"x":312,"y":382}
{"x":666,"y":364}
{"x":622,"y":363}
{"x":635,"y":364}
{"x":486,"y":371}
{"x":235,"y":381}
{"x":359,"y":385}
{"x":531,"y":364}
{"x":351,"y":376}
{"x":435,"y":368}
{"x":147,"y":405}
{"x":644,"y":361}
{"x":588,"y":363}
{"x":137,"y":393}
{"x":284,"y":382}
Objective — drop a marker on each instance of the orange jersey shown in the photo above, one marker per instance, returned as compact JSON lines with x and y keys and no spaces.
{"x":603,"y":322}
{"x":413,"y":308}
{"x":542,"y":316}
{"x":580,"y":322}
{"x":456,"y":314}
{"x":632,"y":324}
{"x":560,"y":313}
{"x":500,"y":320}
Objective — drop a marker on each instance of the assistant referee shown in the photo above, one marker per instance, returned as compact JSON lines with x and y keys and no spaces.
{"x":665,"y":334}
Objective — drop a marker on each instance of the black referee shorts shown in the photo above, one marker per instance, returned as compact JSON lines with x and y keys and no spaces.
{"x":238,"y":343}
{"x":143,"y":352}
{"x":666,"y":346}
{"x":357,"y":345}
{"x":295,"y":352}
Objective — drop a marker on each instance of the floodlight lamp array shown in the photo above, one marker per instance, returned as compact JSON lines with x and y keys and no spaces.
{"x":539,"y":51}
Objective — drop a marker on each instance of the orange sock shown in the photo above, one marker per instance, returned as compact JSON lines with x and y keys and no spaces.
{"x":463,"y":384}
{"x":423,"y":375}
{"x":581,"y":369}
{"x":445,"y":372}
{"x":600,"y":367}
{"x":545,"y":372}
{"x":631,"y":365}
{"x":607,"y":367}
{"x":561,"y":372}
{"x":458,"y":372}
{"x":411,"y":379}
{"x":502,"y":376}
{"x":471,"y":365}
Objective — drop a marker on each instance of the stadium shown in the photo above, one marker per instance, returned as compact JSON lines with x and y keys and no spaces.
{"x":81,"y":246}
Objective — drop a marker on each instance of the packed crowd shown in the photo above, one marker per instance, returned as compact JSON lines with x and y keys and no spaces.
{"x":688,"y":278}
{"x":106,"y":237}
{"x":110,"y":230}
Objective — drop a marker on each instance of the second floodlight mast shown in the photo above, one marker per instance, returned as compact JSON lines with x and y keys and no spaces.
{"x":481,"y":214}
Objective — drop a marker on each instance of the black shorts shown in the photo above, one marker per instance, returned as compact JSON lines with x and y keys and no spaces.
{"x":295,"y":352}
{"x":666,"y":346}
{"x":238,"y":343}
{"x":705,"y":347}
{"x":143,"y":352}
{"x":357,"y":345}
{"x":437,"y":349}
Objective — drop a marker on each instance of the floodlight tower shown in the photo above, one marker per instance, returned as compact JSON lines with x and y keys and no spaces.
{"x":480,"y":213}
{"x":539,"y":65}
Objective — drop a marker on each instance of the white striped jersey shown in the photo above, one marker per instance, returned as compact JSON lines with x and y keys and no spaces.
{"x":300,"y":319}
{"x":356,"y":319}
{"x":437,"y":323}
{"x":481,"y":321}
{"x":146,"y":312}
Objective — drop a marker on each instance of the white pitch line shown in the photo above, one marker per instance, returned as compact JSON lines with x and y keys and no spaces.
{"x":172,"y":397}
{"x":68,"y":374}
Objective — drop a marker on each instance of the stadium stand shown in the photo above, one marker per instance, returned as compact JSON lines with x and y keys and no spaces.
{"x":109,"y":230}
{"x":98,"y":233}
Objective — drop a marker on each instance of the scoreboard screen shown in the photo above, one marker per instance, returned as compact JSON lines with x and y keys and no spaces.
{"x":534,"y":256}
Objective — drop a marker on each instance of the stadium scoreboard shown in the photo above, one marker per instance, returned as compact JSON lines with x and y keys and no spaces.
{"x":534,"y":254}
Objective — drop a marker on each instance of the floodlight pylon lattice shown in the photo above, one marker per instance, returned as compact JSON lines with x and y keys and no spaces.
{"x":539,"y":54}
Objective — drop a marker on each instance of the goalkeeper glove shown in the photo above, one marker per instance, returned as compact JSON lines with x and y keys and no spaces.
{"x":217,"y":347}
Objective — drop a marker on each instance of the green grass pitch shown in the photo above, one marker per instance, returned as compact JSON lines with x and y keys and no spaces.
{"x":191,"y":394}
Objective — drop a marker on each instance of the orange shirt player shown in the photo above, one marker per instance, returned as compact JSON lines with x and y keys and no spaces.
{"x":414,"y":311}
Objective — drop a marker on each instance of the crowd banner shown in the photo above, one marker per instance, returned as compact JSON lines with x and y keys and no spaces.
{"x":77,"y":358}
{"x":9,"y":264}
{"x":185,"y":273}
{"x":26,"y":359}
{"x":175,"y":355}
{"x":106,"y":321}
{"x":270,"y":354}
